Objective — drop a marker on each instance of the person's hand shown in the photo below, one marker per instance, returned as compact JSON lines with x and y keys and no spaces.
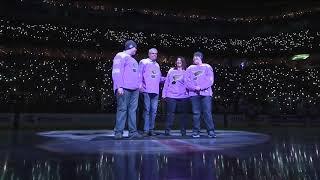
{"x":120,"y":91}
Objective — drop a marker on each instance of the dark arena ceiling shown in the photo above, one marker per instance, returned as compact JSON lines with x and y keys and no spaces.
{"x":228,"y":7}
{"x":213,"y":7}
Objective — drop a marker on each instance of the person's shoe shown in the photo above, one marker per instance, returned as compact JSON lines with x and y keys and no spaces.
{"x":152,"y":133}
{"x":135,"y":135}
{"x":145,"y":134}
{"x":118,"y":136}
{"x":167,"y":133}
{"x":195,"y":135}
{"x":211,"y":134}
{"x":183,"y":133}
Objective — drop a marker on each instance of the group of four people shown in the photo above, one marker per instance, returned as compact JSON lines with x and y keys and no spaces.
{"x":181,"y":84}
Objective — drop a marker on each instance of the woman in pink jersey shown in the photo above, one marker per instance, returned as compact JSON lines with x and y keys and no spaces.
{"x":176,"y":95}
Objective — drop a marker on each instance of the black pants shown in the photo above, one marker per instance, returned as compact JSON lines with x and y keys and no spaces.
{"x":179,"y":106}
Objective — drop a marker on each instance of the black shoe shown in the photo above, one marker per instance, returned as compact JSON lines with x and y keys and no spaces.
{"x":183,"y":133}
{"x":135,"y":135}
{"x":145,"y":134}
{"x":152,"y":133}
{"x":167,"y":133}
{"x":118,"y":136}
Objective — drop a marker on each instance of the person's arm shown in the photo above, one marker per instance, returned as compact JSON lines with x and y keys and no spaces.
{"x":166,"y":85}
{"x":141,"y":71}
{"x":117,"y":72}
{"x":189,"y":80}
{"x":209,"y":78}
{"x":162,"y":78}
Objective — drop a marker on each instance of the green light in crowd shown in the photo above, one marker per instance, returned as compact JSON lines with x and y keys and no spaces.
{"x":300,"y":57}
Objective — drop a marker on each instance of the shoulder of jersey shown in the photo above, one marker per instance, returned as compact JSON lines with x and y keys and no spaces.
{"x":144,"y":61}
{"x":206,"y":65}
{"x":191,"y":66}
{"x":122,"y":54}
{"x":170,"y":70}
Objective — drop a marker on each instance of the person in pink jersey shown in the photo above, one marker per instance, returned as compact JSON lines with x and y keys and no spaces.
{"x":150,"y":81}
{"x":176,"y":96}
{"x":199,"y":78}
{"x":126,"y":83}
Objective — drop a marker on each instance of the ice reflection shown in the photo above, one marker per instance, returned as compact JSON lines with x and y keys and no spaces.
{"x":282,"y":159}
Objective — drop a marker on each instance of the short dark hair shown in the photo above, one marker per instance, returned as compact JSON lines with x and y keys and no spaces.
{"x":199,"y":54}
{"x":183,"y":61}
{"x":130,"y":44}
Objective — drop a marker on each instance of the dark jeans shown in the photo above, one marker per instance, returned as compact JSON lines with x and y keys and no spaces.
{"x":150,"y":101}
{"x":176,"y":105}
{"x":126,"y":109}
{"x":202,"y":105}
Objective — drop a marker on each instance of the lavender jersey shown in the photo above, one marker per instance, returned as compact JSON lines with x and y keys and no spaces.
{"x":150,"y":76}
{"x":202,"y":76}
{"x":125,"y":72}
{"x":174,"y":86}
